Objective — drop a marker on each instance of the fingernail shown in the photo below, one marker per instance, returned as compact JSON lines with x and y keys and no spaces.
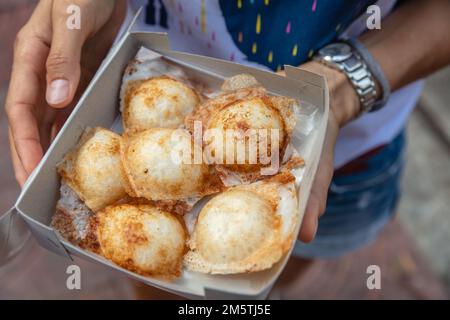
{"x":58,"y":91}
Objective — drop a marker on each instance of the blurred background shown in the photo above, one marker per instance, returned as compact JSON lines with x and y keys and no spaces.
{"x":413,"y":251}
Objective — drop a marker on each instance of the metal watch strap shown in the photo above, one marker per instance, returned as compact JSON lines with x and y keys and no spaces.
{"x":376,"y":70}
{"x":355,"y":68}
{"x":362,"y":80}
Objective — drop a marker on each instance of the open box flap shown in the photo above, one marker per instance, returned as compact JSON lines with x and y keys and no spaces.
{"x":5,"y":231}
{"x":13,"y":235}
{"x":316,"y":82}
{"x":46,"y":236}
{"x":305,"y":76}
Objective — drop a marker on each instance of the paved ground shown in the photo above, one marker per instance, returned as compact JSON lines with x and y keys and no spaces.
{"x":413,"y":251}
{"x":424,"y":210}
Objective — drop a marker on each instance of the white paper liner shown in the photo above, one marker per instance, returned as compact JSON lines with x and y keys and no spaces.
{"x":72,"y":215}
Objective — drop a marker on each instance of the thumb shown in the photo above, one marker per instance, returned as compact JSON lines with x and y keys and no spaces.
{"x":63,"y":62}
{"x":318,"y":197}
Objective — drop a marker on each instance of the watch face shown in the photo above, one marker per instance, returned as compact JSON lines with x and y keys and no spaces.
{"x":336,"y":52}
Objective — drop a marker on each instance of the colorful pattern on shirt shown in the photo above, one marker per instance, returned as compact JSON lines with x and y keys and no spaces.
{"x":268,"y":32}
{"x":275,"y":33}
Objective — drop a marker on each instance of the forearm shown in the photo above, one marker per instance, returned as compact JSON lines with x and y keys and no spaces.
{"x":413,"y":42}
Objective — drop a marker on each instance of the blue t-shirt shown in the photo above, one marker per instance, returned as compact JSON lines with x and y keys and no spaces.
{"x":270,"y":32}
{"x":288,"y":31}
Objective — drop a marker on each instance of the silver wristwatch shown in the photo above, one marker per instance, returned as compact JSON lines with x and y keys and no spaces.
{"x":343,"y":57}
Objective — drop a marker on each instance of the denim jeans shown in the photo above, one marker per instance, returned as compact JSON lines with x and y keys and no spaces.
{"x":360,"y":203}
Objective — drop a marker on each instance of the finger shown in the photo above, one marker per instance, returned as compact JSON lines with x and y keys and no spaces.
{"x":19,"y":171}
{"x":46,"y":123}
{"x":309,"y":225}
{"x":316,"y":202}
{"x":25,"y":135}
{"x":23,"y":97}
{"x":319,"y":190}
{"x":63,"y":62}
{"x":25,"y":87}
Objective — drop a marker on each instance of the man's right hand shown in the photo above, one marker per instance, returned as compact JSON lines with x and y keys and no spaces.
{"x":52,"y":66}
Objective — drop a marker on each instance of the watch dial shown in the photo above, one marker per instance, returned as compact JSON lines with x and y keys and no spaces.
{"x":336,"y":52}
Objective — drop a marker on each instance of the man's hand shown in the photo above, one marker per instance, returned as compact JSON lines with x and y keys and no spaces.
{"x":52,"y":66}
{"x":413,"y":42}
{"x":344,"y":107}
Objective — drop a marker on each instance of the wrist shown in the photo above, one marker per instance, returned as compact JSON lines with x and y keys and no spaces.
{"x":353,"y":60}
{"x":344,"y":101}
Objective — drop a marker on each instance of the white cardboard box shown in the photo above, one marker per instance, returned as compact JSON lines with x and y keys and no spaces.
{"x":99,"y":106}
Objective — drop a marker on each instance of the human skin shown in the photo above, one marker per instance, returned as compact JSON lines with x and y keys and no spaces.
{"x":46,"y":50}
{"x":413,"y":42}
